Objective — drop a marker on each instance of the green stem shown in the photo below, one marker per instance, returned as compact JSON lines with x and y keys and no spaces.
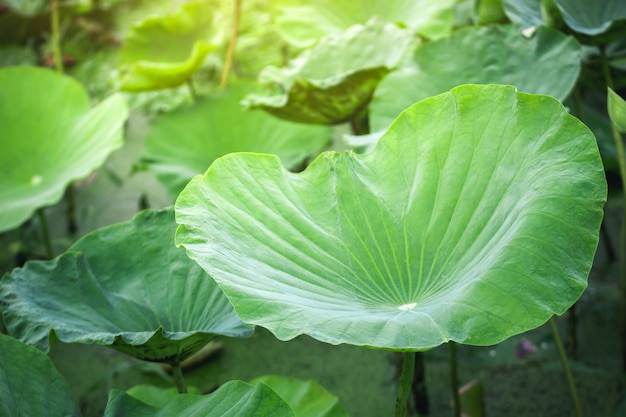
{"x":619,"y":145}
{"x":568,"y":372}
{"x":454,"y":380}
{"x":418,"y":386}
{"x":56,"y":36}
{"x":72,"y":224}
{"x":406,"y":379}
{"x":45,"y":234}
{"x":231,"y":45}
{"x":177,"y":373}
{"x":360,"y":124}
{"x":192,"y":90}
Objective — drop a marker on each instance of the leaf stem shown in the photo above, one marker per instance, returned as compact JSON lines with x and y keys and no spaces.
{"x":56,"y":36}
{"x":177,"y":373}
{"x":566,"y":367}
{"x":619,"y":145}
{"x":192,"y":91}
{"x":454,"y":380}
{"x":231,"y":45}
{"x":406,"y":379}
{"x":45,"y":234}
{"x":72,"y":225}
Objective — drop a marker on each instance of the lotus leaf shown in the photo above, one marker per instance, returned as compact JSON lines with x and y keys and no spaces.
{"x":184,"y":142}
{"x":30,"y":384}
{"x":302,"y":23}
{"x":591,"y":17}
{"x":49,"y":140}
{"x":126,"y":286}
{"x":526,"y":13}
{"x":164,"y":51}
{"x":475,"y":218}
{"x":233,"y":399}
{"x":547,"y":63}
{"x":617,"y":110}
{"x":306,"y":398}
{"x":334,"y":80}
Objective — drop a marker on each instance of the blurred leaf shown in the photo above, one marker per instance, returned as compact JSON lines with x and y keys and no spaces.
{"x":155,"y":396}
{"x":184,"y":142}
{"x":302,"y":23}
{"x":306,"y":398}
{"x":526,"y":13}
{"x":49,"y":139}
{"x":617,"y":110}
{"x":164,"y":51}
{"x":233,"y":399}
{"x":547,"y":63}
{"x":126,"y":286}
{"x":591,"y":17}
{"x":30,"y":384}
{"x":470,"y":197}
{"x":334,"y":80}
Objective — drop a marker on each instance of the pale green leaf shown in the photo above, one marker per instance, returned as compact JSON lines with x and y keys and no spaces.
{"x":164,"y":51}
{"x":49,"y":140}
{"x":546,"y":63}
{"x":306,"y":398}
{"x":184,"y":142}
{"x":302,"y":23}
{"x":233,"y":399}
{"x":476,"y":218}
{"x":617,"y":110}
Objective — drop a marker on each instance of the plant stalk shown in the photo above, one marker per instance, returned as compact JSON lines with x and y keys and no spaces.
{"x":566,"y":367}
{"x":192,"y":91}
{"x":231,"y":45}
{"x":72,"y":224}
{"x":45,"y":234}
{"x":619,"y":145}
{"x":418,"y":386}
{"x":56,"y":36}
{"x":454,"y":380}
{"x":177,"y":373}
{"x":406,"y":379}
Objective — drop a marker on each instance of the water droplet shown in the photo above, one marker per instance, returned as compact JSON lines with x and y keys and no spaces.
{"x":36,"y":180}
{"x":407,"y":307}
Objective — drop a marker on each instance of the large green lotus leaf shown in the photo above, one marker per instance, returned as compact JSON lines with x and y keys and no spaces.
{"x":591,"y":17}
{"x":164,"y":51}
{"x":302,"y":23}
{"x":547,"y":63}
{"x":617,"y":110}
{"x":233,"y":399}
{"x":49,"y":140}
{"x":475,"y":218}
{"x":126,"y":286}
{"x":306,"y":398}
{"x":334,"y":80}
{"x":29,"y":383}
{"x":184,"y":142}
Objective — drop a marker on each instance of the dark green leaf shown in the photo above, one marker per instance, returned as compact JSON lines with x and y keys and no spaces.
{"x":126,"y":286}
{"x":29,"y":383}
